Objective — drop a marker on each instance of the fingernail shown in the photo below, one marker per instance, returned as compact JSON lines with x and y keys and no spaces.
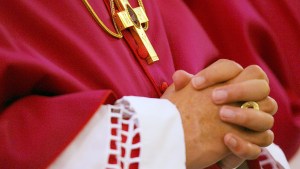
{"x":232,"y":142}
{"x":219,"y":96}
{"x":198,"y":81}
{"x":227,"y":113}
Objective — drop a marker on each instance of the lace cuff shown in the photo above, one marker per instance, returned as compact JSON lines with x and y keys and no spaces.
{"x":161,"y":133}
{"x":134,"y":133}
{"x":125,"y":137}
{"x":272,"y":157}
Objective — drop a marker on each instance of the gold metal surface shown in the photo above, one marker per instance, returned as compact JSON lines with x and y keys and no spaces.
{"x":250,"y":104}
{"x":132,"y":18}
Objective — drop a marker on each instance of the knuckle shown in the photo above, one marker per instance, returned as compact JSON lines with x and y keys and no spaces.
{"x":268,"y":124}
{"x":269,"y":105}
{"x":220,"y":61}
{"x":248,"y":151}
{"x":257,"y":71}
{"x":267,"y":138}
{"x":230,"y":62}
{"x":271,"y":122}
{"x":223,"y":60}
{"x":255,"y":154}
{"x":265,"y":87}
{"x":274,"y":106}
{"x":208,"y":76}
{"x":268,"y":90}
{"x":222,"y":70}
{"x":234,"y":65}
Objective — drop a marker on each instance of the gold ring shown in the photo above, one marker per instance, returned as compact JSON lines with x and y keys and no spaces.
{"x":250,"y":104}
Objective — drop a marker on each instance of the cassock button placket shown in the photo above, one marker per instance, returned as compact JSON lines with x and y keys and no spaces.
{"x":142,"y":53}
{"x":163,"y":87}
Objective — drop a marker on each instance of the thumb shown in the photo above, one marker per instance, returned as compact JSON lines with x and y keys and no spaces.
{"x":181,"y":78}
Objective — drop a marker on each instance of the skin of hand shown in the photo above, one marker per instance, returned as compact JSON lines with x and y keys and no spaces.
{"x":212,"y":133}
{"x":220,"y":72}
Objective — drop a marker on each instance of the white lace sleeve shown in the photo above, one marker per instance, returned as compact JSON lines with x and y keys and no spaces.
{"x":136,"y":132}
{"x":273,"y":157}
{"x":125,"y":137}
{"x":162,"y":138}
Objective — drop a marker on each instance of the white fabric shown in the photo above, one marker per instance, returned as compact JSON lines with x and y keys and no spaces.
{"x":278,"y":155}
{"x":124,"y":115}
{"x":162,"y":135}
{"x":162,"y":139}
{"x":84,"y":151}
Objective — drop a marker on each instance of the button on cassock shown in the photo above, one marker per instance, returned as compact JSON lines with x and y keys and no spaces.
{"x":132,"y":19}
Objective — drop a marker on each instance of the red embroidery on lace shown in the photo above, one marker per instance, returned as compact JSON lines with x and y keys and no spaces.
{"x":267,"y":161}
{"x":125,"y":138}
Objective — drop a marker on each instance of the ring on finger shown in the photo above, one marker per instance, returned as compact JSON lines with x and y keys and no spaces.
{"x":250,"y":104}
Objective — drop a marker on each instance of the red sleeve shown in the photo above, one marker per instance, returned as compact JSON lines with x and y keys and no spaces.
{"x":42,"y":110}
{"x":265,"y":33}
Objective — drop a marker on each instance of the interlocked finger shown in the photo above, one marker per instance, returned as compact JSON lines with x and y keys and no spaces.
{"x":268,"y":105}
{"x":241,"y":148}
{"x":251,"y":119}
{"x":250,"y":72}
{"x":256,"y":89}
{"x":262,"y":139}
{"x":220,"y":71}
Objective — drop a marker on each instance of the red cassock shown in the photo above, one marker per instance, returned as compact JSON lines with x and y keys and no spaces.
{"x":57,"y":66}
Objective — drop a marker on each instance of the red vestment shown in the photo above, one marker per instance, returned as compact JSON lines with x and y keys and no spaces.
{"x":57,"y":66}
{"x":266,"y":33}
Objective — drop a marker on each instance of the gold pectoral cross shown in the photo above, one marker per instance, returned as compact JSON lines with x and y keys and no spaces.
{"x":133,"y":18}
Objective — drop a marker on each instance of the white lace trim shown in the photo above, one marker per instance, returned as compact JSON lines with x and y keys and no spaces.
{"x":266,"y":160}
{"x":124,"y":128}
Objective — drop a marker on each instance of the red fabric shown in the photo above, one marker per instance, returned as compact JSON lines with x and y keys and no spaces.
{"x":57,"y":66}
{"x":267,"y":161}
{"x":113,"y":158}
{"x":266,"y":33}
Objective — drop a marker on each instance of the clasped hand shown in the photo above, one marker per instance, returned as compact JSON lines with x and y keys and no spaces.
{"x":216,"y":129}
